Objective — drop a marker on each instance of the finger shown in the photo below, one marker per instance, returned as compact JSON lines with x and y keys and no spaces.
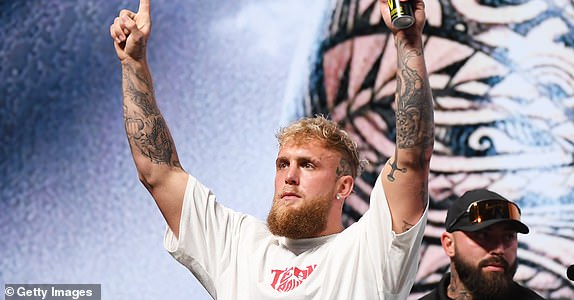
{"x":113,"y":34}
{"x":124,"y":13}
{"x":117,"y":32}
{"x":122,"y":26}
{"x":119,"y":47}
{"x":127,"y":13}
{"x":128,"y":24}
{"x":144,"y":7}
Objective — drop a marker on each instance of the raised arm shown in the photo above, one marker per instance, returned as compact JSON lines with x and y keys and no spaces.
{"x":150,"y":141}
{"x":405,"y":175}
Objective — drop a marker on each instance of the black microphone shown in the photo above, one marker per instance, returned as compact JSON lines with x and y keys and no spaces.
{"x":570,"y":272}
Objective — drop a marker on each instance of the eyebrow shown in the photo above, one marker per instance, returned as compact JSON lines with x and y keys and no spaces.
{"x":299,"y":159}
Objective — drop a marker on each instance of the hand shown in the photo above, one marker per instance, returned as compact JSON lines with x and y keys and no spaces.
{"x":418,"y":7}
{"x":130,"y":32}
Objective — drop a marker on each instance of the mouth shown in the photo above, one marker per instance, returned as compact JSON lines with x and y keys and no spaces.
{"x":494,"y":268}
{"x":290,"y":196}
{"x":494,"y":265}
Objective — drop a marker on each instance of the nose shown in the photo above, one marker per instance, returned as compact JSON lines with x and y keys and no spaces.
{"x":292,"y":176}
{"x":498,"y":245}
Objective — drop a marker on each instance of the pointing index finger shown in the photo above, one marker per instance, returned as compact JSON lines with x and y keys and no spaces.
{"x":144,"y":7}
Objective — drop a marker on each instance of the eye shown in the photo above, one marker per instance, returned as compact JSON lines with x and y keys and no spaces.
{"x":307,"y":165}
{"x":482,"y":235}
{"x":509,"y":237}
{"x":282,"y":164}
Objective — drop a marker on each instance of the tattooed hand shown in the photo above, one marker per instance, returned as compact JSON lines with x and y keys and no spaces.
{"x":131,"y":31}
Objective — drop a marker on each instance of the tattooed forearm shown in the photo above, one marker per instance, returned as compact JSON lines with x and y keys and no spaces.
{"x":414,"y":115}
{"x":151,"y":137}
{"x":139,"y":92}
{"x":145,"y":126}
{"x":414,"y":105}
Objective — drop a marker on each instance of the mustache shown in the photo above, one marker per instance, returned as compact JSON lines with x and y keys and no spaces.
{"x":495,"y":260}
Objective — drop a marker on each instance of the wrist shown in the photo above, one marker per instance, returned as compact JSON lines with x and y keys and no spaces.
{"x":408,"y":40}
{"x":129,"y":61}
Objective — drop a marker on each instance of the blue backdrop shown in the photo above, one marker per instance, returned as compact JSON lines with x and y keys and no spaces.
{"x":227,"y":74}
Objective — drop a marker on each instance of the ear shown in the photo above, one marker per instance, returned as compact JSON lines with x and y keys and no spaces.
{"x":447,"y":241}
{"x":345,"y":186}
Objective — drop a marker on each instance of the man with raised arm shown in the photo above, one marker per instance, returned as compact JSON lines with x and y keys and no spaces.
{"x":302,"y":251}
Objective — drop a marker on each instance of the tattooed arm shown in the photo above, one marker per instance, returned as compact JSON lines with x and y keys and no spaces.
{"x":149,"y":138}
{"x":405,"y":175}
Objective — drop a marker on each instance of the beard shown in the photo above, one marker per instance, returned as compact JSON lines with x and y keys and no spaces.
{"x":486,"y":285}
{"x":305,"y":221}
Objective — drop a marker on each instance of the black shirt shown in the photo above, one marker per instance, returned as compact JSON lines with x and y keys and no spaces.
{"x":517,"y":291}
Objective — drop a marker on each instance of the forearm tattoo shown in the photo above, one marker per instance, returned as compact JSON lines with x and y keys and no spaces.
{"x":414,"y":109}
{"x":146,"y":128}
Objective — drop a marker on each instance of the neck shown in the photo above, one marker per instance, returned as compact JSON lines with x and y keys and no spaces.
{"x":456,"y":289}
{"x":335,"y":228}
{"x":334,"y":220}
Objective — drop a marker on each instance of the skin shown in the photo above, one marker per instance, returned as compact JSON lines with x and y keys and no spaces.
{"x":151,"y":144}
{"x":498,"y":240}
{"x":155,"y":156}
{"x":307,"y":172}
{"x":405,"y":175}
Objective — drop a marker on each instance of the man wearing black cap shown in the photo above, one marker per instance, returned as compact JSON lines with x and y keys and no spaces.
{"x":481,"y":241}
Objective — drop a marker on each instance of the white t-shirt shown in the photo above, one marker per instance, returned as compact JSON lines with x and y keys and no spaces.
{"x":234,"y":255}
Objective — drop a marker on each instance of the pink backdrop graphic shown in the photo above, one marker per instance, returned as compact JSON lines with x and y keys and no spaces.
{"x":502,"y":74}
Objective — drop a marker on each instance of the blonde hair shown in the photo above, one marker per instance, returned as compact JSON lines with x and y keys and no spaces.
{"x":328,"y":133}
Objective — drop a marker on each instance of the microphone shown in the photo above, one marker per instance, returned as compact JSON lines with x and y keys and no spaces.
{"x":401,"y":13}
{"x":570,"y":272}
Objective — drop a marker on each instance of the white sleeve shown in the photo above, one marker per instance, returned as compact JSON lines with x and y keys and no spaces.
{"x":208,"y":234}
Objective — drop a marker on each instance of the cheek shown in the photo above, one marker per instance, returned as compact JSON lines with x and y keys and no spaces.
{"x":315,"y":185}
{"x":470,"y":250}
{"x":279,"y":179}
{"x":510,"y":252}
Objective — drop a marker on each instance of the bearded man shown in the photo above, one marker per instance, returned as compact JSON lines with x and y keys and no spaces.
{"x":303,"y":252}
{"x":481,"y":241}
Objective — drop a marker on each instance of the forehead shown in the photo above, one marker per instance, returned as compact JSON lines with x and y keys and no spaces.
{"x":313,"y":149}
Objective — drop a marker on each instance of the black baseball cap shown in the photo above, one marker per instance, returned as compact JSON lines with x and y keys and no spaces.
{"x":480,"y":208}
